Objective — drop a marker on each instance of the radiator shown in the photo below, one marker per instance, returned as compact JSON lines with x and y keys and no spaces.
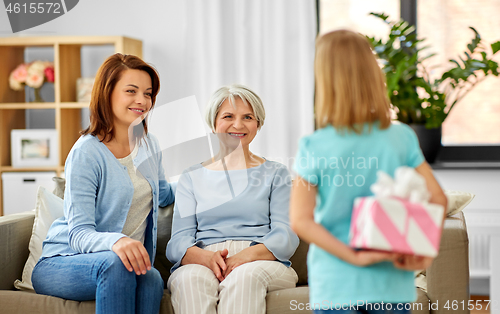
{"x":479,"y":255}
{"x":479,"y":241}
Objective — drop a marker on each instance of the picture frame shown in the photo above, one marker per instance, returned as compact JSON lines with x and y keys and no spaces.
{"x":34,"y":148}
{"x":84,"y":87}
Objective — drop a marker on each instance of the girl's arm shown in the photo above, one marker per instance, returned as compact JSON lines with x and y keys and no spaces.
{"x":302,"y":204}
{"x":437,"y":194}
{"x":412,"y":262}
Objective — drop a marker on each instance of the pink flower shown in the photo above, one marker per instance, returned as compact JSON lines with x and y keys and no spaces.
{"x":35,"y":79}
{"x":49,"y":74}
{"x":32,"y":74}
{"x":15,"y":84}
{"x":20,"y":73}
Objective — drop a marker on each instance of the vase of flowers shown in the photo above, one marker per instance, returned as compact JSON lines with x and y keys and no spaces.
{"x":34,"y":75}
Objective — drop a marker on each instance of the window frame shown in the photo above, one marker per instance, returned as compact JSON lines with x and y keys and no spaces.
{"x":462,"y":156}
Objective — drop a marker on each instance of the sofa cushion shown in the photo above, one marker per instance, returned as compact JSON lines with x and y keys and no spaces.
{"x":164,"y":230}
{"x":47,"y":209}
{"x":22,"y":302}
{"x":288,"y":301}
{"x":299,"y":262}
{"x":15,"y":232}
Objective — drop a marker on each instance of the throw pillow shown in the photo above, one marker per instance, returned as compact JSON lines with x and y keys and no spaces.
{"x":457,"y":200}
{"x":60,"y":185}
{"x":47,"y":209}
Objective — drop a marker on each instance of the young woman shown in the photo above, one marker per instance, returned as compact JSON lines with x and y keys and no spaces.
{"x":104,"y":245}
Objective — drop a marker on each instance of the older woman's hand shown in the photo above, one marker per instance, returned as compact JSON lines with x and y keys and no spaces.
{"x":253,"y":253}
{"x":217,"y":263}
{"x":235,"y":261}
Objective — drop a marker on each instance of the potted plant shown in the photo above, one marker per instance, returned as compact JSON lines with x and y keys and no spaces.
{"x":418,"y":100}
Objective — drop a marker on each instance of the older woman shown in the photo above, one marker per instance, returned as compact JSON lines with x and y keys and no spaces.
{"x":231,"y":240}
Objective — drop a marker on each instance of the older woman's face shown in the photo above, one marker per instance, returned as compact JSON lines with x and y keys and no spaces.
{"x":237,"y":121}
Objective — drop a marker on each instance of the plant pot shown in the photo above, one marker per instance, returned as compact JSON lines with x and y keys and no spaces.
{"x":429,"y":139}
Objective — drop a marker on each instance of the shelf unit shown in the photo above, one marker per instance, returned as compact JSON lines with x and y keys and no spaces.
{"x":67,"y":68}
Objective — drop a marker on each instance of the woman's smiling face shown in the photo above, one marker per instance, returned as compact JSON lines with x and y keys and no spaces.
{"x":237,"y":121}
{"x":131,"y":98}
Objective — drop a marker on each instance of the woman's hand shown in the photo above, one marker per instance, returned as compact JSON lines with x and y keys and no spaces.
{"x":258,"y":252}
{"x":365,"y":258}
{"x":133,"y":254}
{"x":217,"y":263}
{"x":412,"y":262}
{"x":235,"y":261}
{"x":213,"y":260}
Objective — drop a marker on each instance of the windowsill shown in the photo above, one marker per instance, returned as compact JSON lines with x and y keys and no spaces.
{"x":466,"y":165}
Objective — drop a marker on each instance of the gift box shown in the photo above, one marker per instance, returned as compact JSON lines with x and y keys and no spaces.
{"x":394,"y":224}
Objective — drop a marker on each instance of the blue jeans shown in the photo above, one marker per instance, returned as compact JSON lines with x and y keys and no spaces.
{"x":99,"y":276}
{"x":373,"y":308}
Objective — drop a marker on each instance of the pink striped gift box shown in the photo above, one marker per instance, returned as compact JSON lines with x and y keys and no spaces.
{"x":396,"y":225}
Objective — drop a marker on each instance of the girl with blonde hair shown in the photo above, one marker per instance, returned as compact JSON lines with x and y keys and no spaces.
{"x":339,"y":162}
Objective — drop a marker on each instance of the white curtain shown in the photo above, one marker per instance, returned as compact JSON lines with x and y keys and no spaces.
{"x":266,"y":45}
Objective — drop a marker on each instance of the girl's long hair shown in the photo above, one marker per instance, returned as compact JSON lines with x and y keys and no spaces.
{"x":350,"y":86}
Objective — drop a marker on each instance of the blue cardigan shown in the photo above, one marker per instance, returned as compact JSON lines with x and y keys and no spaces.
{"x":98,"y":195}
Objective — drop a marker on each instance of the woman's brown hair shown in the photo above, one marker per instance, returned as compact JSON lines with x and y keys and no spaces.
{"x":101,"y":113}
{"x":350,"y":86}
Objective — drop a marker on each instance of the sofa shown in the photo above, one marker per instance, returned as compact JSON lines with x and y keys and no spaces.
{"x":447,"y":279}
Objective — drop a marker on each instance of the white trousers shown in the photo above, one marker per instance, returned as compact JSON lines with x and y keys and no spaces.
{"x":196,"y":290}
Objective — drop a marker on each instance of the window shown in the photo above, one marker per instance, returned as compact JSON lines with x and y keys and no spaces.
{"x":445,"y":24}
{"x":472,"y":131}
{"x":354,"y":15}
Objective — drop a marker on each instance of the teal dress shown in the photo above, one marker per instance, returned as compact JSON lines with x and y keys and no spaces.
{"x":343,"y":166}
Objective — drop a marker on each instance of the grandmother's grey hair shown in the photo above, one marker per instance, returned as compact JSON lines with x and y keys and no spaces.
{"x":231,"y":91}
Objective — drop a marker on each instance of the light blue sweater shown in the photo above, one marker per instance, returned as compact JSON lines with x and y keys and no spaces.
{"x":343,"y":166}
{"x":98,"y":195}
{"x":249,"y":204}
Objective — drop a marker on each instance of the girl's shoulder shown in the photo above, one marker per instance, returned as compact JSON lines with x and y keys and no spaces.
{"x":400,"y":129}
{"x":318,"y":137}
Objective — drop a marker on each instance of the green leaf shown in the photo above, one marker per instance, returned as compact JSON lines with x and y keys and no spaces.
{"x":495,"y":47}
{"x":477,"y":34}
{"x":477,"y":64}
{"x":382,"y":16}
{"x":456,"y":62}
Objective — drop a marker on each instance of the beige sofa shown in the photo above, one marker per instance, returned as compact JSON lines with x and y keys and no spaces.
{"x":447,"y":278}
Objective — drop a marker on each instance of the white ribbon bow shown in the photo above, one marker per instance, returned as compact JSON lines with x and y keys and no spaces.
{"x":407,"y":184}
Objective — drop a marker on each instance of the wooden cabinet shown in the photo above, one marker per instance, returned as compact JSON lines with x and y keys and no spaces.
{"x":67,"y":66}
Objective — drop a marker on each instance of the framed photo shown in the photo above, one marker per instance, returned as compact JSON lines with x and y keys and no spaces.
{"x":34,"y":148}
{"x":84,"y":89}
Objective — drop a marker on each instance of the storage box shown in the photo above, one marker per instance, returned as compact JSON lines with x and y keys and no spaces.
{"x":396,"y":225}
{"x":19,"y":189}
